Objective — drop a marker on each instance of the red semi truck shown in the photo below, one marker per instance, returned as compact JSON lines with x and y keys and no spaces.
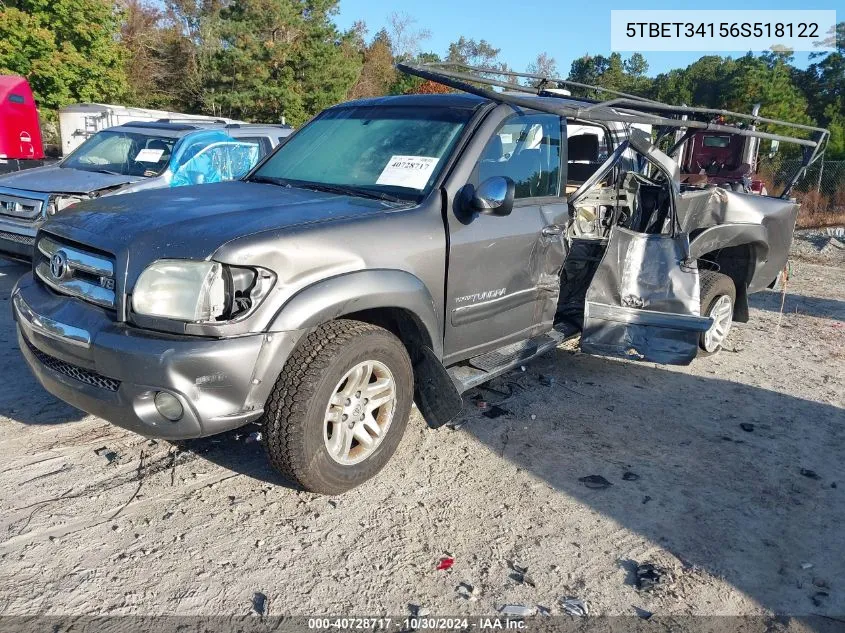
{"x":724,"y":160}
{"x":20,"y":132}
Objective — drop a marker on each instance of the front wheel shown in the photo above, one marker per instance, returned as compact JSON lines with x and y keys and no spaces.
{"x":339,"y":407}
{"x":718,"y":298}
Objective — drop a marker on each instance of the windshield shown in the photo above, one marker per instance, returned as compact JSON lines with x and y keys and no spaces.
{"x":392,"y":150}
{"x":126,"y":153}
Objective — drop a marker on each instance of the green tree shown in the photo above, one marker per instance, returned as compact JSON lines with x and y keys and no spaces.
{"x":766,"y":80}
{"x":473,"y":53}
{"x":407,"y":84}
{"x":836,"y":126}
{"x":67,"y":49}
{"x":279,"y":58}
{"x":377,"y":71}
{"x":614,"y":72}
{"x":702,"y":83}
{"x":147,"y":70}
{"x":823,"y":84}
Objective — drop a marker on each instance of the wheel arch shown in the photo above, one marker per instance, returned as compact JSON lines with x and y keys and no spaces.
{"x":736,"y":250}
{"x":398,"y":302}
{"x":394,"y":299}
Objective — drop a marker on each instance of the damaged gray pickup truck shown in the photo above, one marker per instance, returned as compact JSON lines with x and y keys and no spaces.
{"x":394,"y":250}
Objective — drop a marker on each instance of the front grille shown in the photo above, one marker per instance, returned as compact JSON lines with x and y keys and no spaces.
{"x":19,"y":207}
{"x":18,"y":239}
{"x":76,"y":271}
{"x":73,"y":371}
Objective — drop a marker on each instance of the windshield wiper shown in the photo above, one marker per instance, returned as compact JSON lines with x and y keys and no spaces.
{"x":102,"y":171}
{"x":281,"y":182}
{"x":343,"y":190}
{"x":346,"y":190}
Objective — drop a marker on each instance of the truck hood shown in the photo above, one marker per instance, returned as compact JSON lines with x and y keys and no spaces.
{"x":55,"y":179}
{"x":193,"y":222}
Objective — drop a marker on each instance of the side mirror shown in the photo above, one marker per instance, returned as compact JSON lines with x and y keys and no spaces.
{"x":494,"y":196}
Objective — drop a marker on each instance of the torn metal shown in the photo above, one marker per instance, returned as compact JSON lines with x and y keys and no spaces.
{"x":643,"y":302}
{"x":729,"y":219}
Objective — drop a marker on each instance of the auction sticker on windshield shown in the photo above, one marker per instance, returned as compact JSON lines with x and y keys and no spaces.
{"x":412,"y":172}
{"x":149,"y":156}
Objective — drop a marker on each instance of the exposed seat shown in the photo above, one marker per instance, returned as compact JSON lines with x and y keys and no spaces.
{"x":582,"y":157}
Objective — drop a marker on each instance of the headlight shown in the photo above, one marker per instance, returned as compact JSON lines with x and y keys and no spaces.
{"x":182,"y":290}
{"x":60,"y":203}
{"x":199,"y":292}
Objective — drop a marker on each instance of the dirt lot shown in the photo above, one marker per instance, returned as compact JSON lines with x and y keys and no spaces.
{"x":94,"y":519}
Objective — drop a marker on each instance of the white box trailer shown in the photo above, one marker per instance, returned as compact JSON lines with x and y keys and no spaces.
{"x":80,"y":121}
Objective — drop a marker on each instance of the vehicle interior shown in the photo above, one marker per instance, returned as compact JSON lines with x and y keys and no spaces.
{"x":128,"y":153}
{"x":603,"y":188}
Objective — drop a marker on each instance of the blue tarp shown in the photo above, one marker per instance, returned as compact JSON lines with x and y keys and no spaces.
{"x":211,"y":156}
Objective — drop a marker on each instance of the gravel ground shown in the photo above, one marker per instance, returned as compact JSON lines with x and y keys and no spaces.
{"x":821,"y":246}
{"x":96,"y":520}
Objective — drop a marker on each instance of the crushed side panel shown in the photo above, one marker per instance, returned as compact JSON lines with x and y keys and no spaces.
{"x":643,"y":302}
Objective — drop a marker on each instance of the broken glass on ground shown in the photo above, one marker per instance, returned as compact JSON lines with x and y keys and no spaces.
{"x":518,"y":610}
{"x":574,"y":606}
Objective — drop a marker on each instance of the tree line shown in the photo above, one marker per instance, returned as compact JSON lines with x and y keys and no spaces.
{"x":261,"y":60}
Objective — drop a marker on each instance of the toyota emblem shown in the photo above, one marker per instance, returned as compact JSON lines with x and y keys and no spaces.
{"x":58,"y":264}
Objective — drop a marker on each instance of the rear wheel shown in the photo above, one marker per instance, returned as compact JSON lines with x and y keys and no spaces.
{"x":718,"y":298}
{"x":339,"y":407}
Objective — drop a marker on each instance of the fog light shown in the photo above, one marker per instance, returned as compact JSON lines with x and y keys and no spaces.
{"x":168,"y":405}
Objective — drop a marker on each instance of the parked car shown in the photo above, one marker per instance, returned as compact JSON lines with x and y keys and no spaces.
{"x":393,"y":250}
{"x":20,"y":132}
{"x":80,"y":121}
{"x":124,"y":159}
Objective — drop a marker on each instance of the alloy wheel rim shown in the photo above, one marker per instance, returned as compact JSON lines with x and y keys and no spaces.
{"x":359,"y":412}
{"x":722,"y":314}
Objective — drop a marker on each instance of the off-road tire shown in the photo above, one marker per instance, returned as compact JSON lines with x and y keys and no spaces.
{"x":295,"y":412}
{"x":712,"y":286}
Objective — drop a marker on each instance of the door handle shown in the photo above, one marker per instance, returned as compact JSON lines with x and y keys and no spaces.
{"x":552,"y":230}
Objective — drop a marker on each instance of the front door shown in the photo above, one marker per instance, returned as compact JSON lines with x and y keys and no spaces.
{"x":643,"y":302}
{"x":503,"y":278}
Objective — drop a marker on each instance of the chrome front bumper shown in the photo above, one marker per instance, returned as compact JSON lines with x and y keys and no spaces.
{"x":82,"y":356}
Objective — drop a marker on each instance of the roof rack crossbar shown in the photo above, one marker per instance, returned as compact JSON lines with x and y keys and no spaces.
{"x":601,"y":111}
{"x":624,"y":99}
{"x":190,"y":120}
{"x":756,"y":119}
{"x":542,"y":78}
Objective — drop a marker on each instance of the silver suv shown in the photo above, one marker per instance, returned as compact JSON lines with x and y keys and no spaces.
{"x":124,"y":159}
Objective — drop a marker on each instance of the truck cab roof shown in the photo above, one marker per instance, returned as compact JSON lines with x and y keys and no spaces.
{"x":178,"y":128}
{"x":472,"y":103}
{"x":451,"y":100}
